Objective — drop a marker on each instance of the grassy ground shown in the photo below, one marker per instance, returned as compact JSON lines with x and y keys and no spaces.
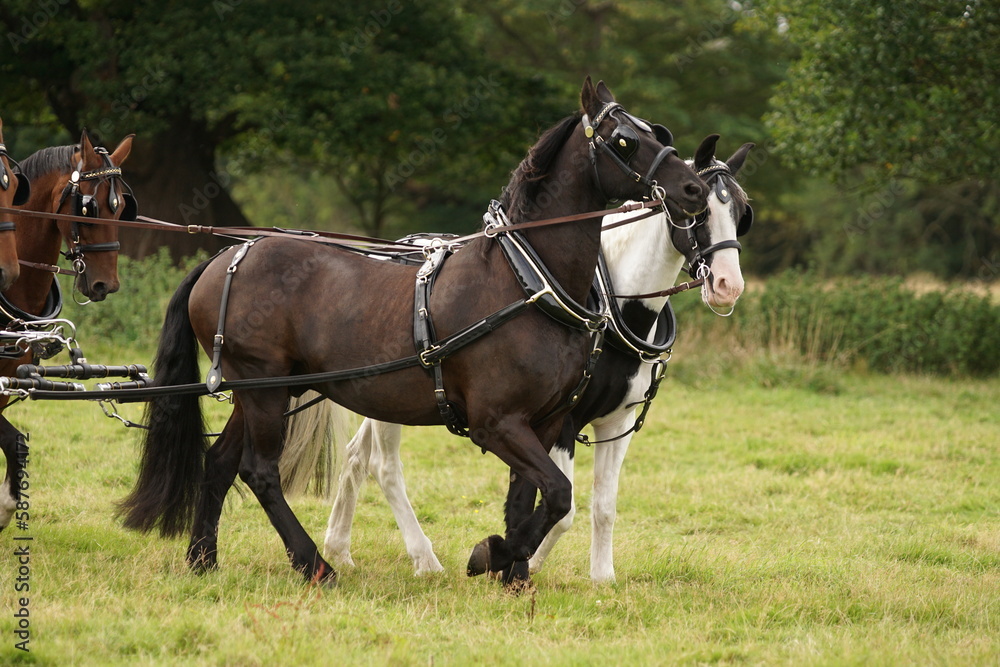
{"x":776,"y":514}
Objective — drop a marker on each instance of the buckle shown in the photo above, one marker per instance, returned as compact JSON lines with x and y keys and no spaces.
{"x":422,"y":356}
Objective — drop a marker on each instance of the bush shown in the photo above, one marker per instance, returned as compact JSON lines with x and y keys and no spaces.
{"x":132,"y":317}
{"x":874,"y":322}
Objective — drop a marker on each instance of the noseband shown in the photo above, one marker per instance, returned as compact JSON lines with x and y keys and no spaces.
{"x":623,"y":145}
{"x":88,"y":206}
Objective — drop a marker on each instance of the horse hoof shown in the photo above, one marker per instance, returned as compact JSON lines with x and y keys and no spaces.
{"x":324,"y":576}
{"x":516,"y":579}
{"x":479,"y":561}
{"x":202,"y":562}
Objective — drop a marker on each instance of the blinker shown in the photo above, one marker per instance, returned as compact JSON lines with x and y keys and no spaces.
{"x":722,"y":192}
{"x":625,"y":141}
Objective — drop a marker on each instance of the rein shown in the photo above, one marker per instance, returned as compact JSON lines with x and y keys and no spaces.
{"x":676,"y":289}
{"x":144,"y":222}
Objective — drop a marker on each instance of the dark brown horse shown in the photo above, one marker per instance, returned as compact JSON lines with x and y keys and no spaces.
{"x":80,"y":179}
{"x":299,"y":307}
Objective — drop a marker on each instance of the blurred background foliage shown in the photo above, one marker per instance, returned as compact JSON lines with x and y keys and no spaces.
{"x":875,"y":121}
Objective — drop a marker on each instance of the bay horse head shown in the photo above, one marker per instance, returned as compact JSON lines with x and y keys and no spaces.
{"x":83,"y":180}
{"x":643,"y":161}
{"x":14,"y":191}
{"x":708,"y":240}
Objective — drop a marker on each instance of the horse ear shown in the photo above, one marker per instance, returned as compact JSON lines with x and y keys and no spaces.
{"x":124,"y":148}
{"x":736,"y":161}
{"x":588,"y":97}
{"x":87,"y":153}
{"x":706,"y":152}
{"x":603,"y":93}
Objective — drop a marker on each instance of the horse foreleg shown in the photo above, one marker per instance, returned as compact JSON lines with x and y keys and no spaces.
{"x":222,"y":461}
{"x":608,"y":459}
{"x":16,"y":450}
{"x":517,"y":445}
{"x":264,"y":410}
{"x":563,"y":455}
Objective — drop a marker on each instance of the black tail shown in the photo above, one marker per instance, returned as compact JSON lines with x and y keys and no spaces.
{"x":173,"y":450}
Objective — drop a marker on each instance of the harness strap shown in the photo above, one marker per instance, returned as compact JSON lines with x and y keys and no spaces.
{"x":588,"y":372}
{"x":536,"y":280}
{"x":424,"y":337}
{"x":658,"y":372}
{"x":53,"y":305}
{"x":214,"y":378}
{"x":624,"y":338}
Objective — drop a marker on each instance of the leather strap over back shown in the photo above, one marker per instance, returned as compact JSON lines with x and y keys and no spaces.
{"x":214,"y":378}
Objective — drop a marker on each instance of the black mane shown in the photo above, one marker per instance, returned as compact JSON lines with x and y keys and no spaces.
{"x":519,"y":195}
{"x":49,"y":159}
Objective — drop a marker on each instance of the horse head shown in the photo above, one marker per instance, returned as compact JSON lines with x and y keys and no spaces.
{"x":14,"y":191}
{"x":708,"y":240}
{"x":635,"y":159}
{"x":96,"y":190}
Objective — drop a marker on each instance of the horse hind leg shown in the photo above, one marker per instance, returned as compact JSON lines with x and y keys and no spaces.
{"x":388,"y":467}
{"x":222,"y":461}
{"x":264,"y":410}
{"x":337,"y":543}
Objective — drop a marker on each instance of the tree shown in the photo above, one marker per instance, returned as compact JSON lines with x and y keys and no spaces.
{"x":371,"y":95}
{"x":912,"y":88}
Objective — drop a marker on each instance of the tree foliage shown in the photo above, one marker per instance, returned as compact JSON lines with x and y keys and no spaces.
{"x":408,"y":115}
{"x":911,"y":87}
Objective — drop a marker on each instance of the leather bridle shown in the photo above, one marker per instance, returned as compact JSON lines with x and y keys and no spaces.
{"x":697,"y":256}
{"x":623,"y":144}
{"x":21,"y":193}
{"x":88,"y":206}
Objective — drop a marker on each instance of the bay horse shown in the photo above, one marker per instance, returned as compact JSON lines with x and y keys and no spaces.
{"x":80,"y":179}
{"x":642,"y":258}
{"x":299,"y":307}
{"x":15,"y":188}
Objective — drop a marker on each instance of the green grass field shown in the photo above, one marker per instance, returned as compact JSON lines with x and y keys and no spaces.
{"x":778,"y":513}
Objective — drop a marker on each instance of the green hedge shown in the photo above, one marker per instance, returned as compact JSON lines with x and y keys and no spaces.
{"x":874,"y":322}
{"x":132,"y":317}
